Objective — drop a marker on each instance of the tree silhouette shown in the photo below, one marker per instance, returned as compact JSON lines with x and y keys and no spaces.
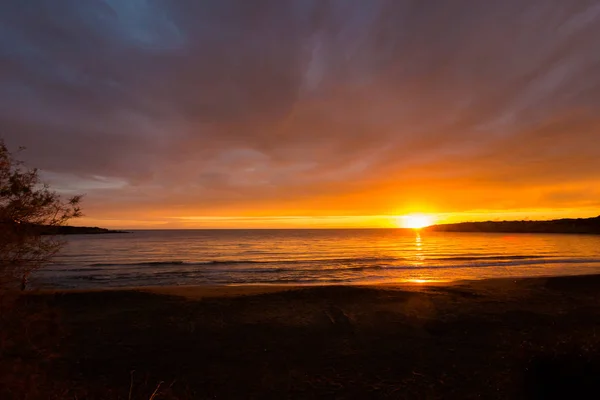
{"x":27,"y":208}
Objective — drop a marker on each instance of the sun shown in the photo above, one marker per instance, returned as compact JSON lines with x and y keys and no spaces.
{"x":415,"y":221}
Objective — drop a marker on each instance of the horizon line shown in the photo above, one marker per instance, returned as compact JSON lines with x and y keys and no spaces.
{"x":336,"y":228}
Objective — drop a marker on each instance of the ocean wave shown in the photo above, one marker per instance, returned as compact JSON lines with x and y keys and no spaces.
{"x":143,"y":263}
{"x":492,"y":257}
{"x":233,"y":262}
{"x":350,"y":260}
{"x":316,"y":268}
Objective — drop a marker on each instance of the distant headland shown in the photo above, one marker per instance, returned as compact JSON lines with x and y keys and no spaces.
{"x":566,"y":225}
{"x":77,"y":230}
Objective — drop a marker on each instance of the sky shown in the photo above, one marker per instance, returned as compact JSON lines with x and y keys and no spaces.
{"x":307,"y":113}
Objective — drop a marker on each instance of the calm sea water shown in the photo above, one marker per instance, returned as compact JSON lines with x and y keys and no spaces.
{"x":314,"y":257}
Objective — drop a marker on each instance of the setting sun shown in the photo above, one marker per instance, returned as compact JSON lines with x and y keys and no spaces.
{"x":415,"y":221}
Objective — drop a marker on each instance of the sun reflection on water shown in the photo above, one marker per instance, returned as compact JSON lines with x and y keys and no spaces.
{"x":419,"y":254}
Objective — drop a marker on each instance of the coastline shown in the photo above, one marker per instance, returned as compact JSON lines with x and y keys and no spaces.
{"x":236,"y":290}
{"x":198,"y":292}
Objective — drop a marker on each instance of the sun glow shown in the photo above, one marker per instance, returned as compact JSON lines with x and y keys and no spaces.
{"x":415,"y":221}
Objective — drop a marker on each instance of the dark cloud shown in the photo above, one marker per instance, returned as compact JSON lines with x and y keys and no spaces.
{"x":201,"y":106}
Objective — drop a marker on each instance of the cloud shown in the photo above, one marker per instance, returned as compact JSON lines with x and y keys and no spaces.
{"x":314,"y":107}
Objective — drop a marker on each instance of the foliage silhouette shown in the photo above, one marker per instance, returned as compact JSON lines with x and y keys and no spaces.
{"x":27,"y":208}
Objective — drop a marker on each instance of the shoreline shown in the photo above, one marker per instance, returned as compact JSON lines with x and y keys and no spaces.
{"x":235,"y":290}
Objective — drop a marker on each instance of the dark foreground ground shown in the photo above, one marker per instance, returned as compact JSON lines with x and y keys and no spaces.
{"x":530,"y":338}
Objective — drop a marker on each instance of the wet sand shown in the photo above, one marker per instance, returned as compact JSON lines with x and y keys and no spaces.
{"x":507,"y":338}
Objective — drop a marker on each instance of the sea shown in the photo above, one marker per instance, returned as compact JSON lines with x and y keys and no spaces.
{"x":311,"y":257}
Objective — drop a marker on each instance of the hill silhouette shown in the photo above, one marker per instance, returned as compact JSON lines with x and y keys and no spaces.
{"x":565,"y":225}
{"x":76,"y":230}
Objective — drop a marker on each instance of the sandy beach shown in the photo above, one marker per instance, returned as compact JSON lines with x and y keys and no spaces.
{"x":506,"y":338}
